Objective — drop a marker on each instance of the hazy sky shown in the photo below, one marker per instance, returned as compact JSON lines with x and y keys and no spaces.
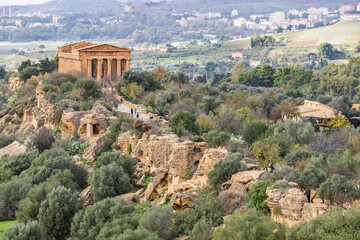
{"x":21,"y":2}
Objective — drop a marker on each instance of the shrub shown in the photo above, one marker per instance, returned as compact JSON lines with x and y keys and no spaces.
{"x":216,"y":139}
{"x":204,"y":205}
{"x":42,"y":139}
{"x":256,"y":196}
{"x":114,"y":130}
{"x":253,"y":131}
{"x":28,"y":72}
{"x":298,"y":156}
{"x":206,"y":123}
{"x":183,"y":120}
{"x":57,"y":211}
{"x":86,"y":105}
{"x":54,"y":165}
{"x":91,"y":89}
{"x":49,"y":88}
{"x":29,"y":207}
{"x":298,"y":132}
{"x":20,"y":231}
{"x":142,"y":78}
{"x":158,"y":220}
{"x":224,"y":169}
{"x":118,"y":226}
{"x":10,"y":195}
{"x":125,"y":161}
{"x":267,"y":155}
{"x":6,"y":140}
{"x":202,"y":231}
{"x":334,"y":224}
{"x":14,"y":165}
{"x":99,"y":218}
{"x":282,"y":172}
{"x":250,"y":225}
{"x":138,"y":234}
{"x":66,"y":87}
{"x":109,"y":181}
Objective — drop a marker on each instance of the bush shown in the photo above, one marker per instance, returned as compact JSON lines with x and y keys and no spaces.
{"x":20,"y":231}
{"x":253,"y":131}
{"x":6,"y":140}
{"x":256,"y":196}
{"x":57,"y":211}
{"x":42,"y":139}
{"x":282,"y":172}
{"x":334,"y":224}
{"x":224,"y":169}
{"x":298,"y":132}
{"x":250,"y":225}
{"x":158,"y":220}
{"x":58,"y":164}
{"x":114,"y":130}
{"x":28,"y":209}
{"x":49,"y":88}
{"x":109,"y":181}
{"x":142,"y":78}
{"x":298,"y":156}
{"x":86,"y":105}
{"x":202,"y":231}
{"x":204,"y":205}
{"x":10,"y":195}
{"x":216,"y":139}
{"x":14,"y":165}
{"x":99,"y":218}
{"x":125,"y":161}
{"x":183,"y":120}
{"x":91,"y":89}
{"x":206,"y":123}
{"x":138,"y":234}
{"x":28,"y":72}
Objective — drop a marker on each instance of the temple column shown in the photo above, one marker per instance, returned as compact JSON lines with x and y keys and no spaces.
{"x":99,"y":63}
{"x":127,"y":68}
{"x":109,"y":66}
{"x":118,"y":68}
{"x":89,"y":68}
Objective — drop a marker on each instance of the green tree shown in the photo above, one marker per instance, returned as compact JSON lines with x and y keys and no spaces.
{"x":57,"y":211}
{"x":158,"y":220}
{"x":256,"y":196}
{"x":216,"y":138}
{"x":201,"y":231}
{"x":183,"y":120}
{"x":142,"y":78}
{"x":2,"y":73}
{"x":250,"y":225}
{"x":138,"y":234}
{"x":311,"y":178}
{"x":253,"y":131}
{"x":338,"y":189}
{"x":91,"y":89}
{"x":28,"y":72}
{"x":224,"y":169}
{"x":20,"y":231}
{"x":109,"y":181}
{"x":178,"y":78}
{"x":326,"y":50}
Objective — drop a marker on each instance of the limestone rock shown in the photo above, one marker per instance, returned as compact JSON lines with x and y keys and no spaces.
{"x":249,"y":178}
{"x":13,"y":149}
{"x":96,"y":146}
{"x":128,"y":198}
{"x":291,"y":207}
{"x":86,"y":194}
{"x":182,"y":196}
{"x":210,"y":158}
{"x":233,"y":198}
{"x":15,"y":83}
{"x":150,"y":193}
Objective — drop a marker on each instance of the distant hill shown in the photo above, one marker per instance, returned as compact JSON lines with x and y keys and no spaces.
{"x":75,"y":6}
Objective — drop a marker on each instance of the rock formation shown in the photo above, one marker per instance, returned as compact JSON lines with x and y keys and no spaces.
{"x":290,"y":206}
{"x":13,"y":149}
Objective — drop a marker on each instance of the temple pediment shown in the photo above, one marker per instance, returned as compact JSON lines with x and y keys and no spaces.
{"x":103,"y":48}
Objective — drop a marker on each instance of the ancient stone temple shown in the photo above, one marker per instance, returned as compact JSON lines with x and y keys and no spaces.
{"x":94,"y":60}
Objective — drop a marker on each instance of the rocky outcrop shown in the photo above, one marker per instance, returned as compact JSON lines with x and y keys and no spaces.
{"x":15,"y":83}
{"x":87,"y":124}
{"x":96,"y":146}
{"x":248,"y":178}
{"x":13,"y":149}
{"x":290,"y":206}
{"x":233,"y":198}
{"x":86,"y":194}
{"x":182,"y":196}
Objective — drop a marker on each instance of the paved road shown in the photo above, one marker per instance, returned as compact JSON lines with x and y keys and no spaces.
{"x":125,"y":109}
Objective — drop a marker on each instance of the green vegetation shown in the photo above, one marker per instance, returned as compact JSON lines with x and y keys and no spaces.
{"x":4,"y":226}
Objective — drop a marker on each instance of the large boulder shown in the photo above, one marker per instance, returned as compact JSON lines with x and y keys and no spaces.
{"x":182,"y":196}
{"x":13,"y":149}
{"x":248,"y":178}
{"x":290,"y":206}
{"x":96,"y":146}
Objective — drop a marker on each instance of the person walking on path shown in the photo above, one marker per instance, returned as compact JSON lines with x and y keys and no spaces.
{"x":137,"y":115}
{"x":121,"y":100}
{"x":132,"y":111}
{"x":308,"y":194}
{"x":135,"y":111}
